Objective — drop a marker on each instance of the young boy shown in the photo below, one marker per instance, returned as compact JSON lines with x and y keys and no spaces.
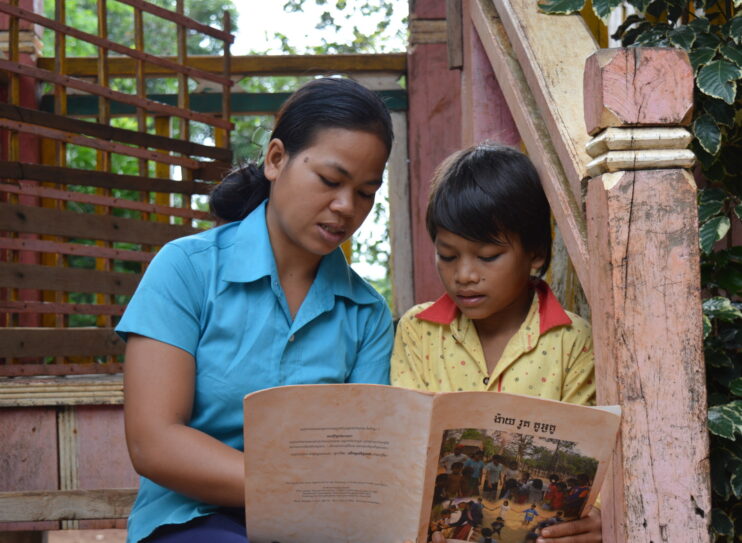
{"x":496,"y":328}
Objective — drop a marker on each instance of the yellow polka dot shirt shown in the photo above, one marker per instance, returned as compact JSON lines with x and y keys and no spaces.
{"x":551,"y":356}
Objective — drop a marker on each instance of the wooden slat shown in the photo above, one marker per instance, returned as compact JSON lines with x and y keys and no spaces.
{"x":541,"y":43}
{"x":66,"y":504}
{"x":26,"y":188}
{"x":91,"y":178}
{"x":244,"y":65}
{"x":33,"y":220}
{"x":78,"y":249}
{"x":180,"y":19}
{"x":67,"y":279}
{"x":61,"y":308}
{"x":69,"y":390}
{"x":30,"y":370}
{"x":94,"y":143}
{"x":106,"y":132}
{"x":35,"y":342}
{"x":98,"y":90}
{"x":110,"y":45}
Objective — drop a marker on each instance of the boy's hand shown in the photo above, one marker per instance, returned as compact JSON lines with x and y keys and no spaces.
{"x":584,"y":530}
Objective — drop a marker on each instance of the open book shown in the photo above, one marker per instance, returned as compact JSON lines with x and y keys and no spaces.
{"x":372,"y":463}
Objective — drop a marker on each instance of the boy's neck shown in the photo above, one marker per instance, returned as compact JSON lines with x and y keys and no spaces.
{"x":495,"y":332}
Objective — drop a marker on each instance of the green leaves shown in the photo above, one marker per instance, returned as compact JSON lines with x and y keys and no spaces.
{"x":603,"y":8}
{"x":726,"y":420}
{"x":718,"y":79}
{"x":721,"y":308}
{"x":708,"y":133}
{"x":712,"y":231}
{"x":682,"y":37}
{"x":561,"y":7}
{"x":721,"y":523}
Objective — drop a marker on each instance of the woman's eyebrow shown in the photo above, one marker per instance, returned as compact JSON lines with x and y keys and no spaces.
{"x":345,"y":173}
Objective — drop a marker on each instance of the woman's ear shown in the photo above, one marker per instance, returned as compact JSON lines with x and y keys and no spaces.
{"x":275,"y":159}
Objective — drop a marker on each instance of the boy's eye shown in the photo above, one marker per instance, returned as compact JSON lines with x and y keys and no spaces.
{"x":489,"y":258}
{"x":445,"y":258}
{"x":366,"y":195}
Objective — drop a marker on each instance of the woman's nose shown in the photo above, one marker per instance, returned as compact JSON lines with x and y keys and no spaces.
{"x":342,"y":203}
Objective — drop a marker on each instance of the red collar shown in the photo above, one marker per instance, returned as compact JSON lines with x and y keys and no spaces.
{"x":550,"y":312}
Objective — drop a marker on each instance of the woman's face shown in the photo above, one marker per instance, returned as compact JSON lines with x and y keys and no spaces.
{"x":321,"y":195}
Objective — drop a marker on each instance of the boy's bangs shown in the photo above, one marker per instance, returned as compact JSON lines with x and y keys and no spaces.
{"x":463,"y":213}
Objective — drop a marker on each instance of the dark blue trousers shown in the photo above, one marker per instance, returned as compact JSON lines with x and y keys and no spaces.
{"x":225,"y":526}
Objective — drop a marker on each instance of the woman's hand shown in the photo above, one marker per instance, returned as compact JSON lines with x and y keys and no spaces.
{"x":584,"y":530}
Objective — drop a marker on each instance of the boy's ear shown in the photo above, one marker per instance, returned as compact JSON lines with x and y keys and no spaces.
{"x":537,"y":261}
{"x":275,"y":159}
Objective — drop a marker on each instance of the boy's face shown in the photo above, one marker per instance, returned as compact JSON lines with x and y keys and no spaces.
{"x":485,"y":280}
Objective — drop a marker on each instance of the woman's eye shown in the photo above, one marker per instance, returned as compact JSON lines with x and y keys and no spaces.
{"x":445,"y":258}
{"x":366,"y":195}
{"x":328,"y":182}
{"x":489,"y":258}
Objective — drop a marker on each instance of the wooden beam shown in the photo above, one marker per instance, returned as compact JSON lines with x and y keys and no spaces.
{"x":58,"y":391}
{"x":35,"y":342}
{"x":92,"y":178}
{"x":98,"y":90}
{"x":45,"y":370}
{"x":551,"y":51}
{"x":78,"y":249}
{"x":177,"y":18}
{"x":110,"y":45}
{"x":454,"y":30}
{"x":250,"y":65}
{"x":29,"y":189}
{"x":67,"y":279}
{"x":565,"y":205}
{"x":647,"y":317}
{"x":107,"y":132}
{"x":66,"y":504}
{"x":30,"y":219}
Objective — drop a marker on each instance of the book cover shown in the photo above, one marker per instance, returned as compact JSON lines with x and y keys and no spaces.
{"x":364,"y":463}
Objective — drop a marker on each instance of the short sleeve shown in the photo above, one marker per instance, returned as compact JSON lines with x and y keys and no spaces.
{"x":372,"y":361}
{"x":407,"y":369}
{"x":167,"y":303}
{"x":579,"y":380}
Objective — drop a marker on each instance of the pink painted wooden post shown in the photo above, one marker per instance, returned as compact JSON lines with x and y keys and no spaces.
{"x":434,"y":133}
{"x":645,"y":294}
{"x":485,"y":114}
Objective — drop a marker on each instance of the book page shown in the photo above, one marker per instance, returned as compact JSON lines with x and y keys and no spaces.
{"x":510,"y":465}
{"x":335,"y":463}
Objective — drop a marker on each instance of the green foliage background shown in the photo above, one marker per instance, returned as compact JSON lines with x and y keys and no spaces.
{"x":711,"y":32}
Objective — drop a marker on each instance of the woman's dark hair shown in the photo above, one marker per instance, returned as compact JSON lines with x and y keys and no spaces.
{"x":488,"y":192}
{"x":320,"y":104}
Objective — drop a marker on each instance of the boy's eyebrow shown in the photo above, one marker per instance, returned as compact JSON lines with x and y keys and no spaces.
{"x":345,"y":173}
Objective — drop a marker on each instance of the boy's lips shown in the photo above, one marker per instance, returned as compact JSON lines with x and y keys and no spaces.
{"x":469,"y":298}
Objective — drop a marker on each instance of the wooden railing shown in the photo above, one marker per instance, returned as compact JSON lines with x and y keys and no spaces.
{"x":604,"y":128}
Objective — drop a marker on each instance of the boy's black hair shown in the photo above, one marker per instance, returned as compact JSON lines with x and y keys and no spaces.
{"x":488,"y":192}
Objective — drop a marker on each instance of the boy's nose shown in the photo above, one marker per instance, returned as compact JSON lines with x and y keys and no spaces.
{"x":466,"y":274}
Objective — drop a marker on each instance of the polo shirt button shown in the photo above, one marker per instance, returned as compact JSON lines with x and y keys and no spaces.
{"x":486,"y":380}
{"x":291,"y":338}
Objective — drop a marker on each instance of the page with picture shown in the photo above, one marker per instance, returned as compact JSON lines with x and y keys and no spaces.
{"x":363,"y":463}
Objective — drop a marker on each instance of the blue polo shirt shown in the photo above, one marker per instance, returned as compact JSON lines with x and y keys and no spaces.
{"x":217,"y":296}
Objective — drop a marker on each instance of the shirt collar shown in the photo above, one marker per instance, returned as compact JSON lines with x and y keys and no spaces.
{"x":550,"y":311}
{"x":251,"y":257}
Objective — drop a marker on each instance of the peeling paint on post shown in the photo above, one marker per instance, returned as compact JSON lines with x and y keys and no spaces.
{"x":646,"y":306}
